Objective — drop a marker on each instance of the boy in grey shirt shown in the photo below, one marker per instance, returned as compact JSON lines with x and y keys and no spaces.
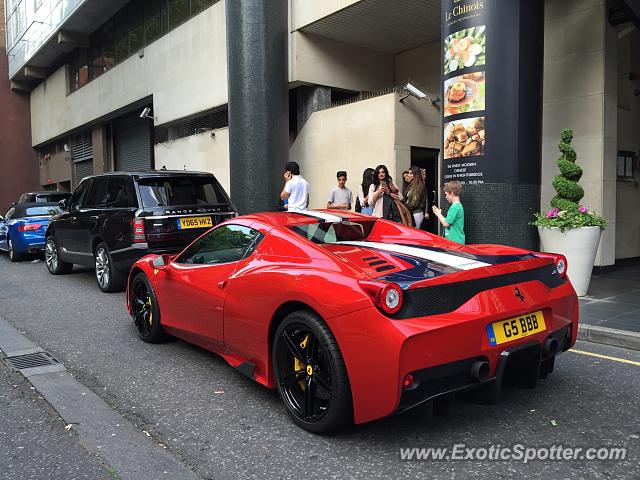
{"x":340,"y":197}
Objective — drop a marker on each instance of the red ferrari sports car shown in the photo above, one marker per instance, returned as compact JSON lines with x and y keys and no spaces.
{"x":354,"y":318}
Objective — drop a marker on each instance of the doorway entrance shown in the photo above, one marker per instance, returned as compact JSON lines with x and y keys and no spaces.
{"x":427,"y":159}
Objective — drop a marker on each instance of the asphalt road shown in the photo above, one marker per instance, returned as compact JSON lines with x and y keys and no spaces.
{"x":221,"y":424}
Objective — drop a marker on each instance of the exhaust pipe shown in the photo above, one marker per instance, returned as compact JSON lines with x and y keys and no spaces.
{"x":479,"y":370}
{"x":550,"y":347}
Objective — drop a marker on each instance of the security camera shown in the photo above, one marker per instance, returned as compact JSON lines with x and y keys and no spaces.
{"x":415,"y":91}
{"x":145,"y":112}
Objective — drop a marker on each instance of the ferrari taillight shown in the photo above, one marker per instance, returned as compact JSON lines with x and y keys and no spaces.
{"x":29,"y":227}
{"x":138,"y":230}
{"x":561,"y":265}
{"x":386,"y":296}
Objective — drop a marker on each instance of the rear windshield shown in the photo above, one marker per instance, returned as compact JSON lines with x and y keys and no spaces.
{"x":51,"y":197}
{"x":172,"y":192}
{"x":335,"y":232}
{"x":42,"y":211}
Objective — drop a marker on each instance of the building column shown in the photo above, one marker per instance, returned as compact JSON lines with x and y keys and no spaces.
{"x":580,"y":93}
{"x":257,"y":53}
{"x":492,"y":115}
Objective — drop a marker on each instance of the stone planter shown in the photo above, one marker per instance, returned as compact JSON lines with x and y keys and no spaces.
{"x":579,"y":245}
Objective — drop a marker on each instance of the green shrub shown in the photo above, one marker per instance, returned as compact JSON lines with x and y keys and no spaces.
{"x":566,"y":211}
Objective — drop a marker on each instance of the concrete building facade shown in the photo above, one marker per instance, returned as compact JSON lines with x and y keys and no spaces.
{"x":18,"y":161}
{"x":92,"y":68}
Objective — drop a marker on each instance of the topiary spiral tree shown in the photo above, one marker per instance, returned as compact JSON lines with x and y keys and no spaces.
{"x":568,"y":192}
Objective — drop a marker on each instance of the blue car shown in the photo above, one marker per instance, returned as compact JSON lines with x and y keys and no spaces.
{"x":22,"y":228}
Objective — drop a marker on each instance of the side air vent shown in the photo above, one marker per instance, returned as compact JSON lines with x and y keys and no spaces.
{"x":379,"y":264}
{"x":385,"y":268}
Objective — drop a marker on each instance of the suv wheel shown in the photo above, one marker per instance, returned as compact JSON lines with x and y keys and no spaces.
{"x":51,"y":258}
{"x":109,"y":279}
{"x":13,"y":255}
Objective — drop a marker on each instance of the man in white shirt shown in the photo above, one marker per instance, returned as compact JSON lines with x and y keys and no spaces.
{"x":296,"y":189}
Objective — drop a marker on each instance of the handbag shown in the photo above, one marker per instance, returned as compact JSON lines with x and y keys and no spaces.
{"x":406,"y":217}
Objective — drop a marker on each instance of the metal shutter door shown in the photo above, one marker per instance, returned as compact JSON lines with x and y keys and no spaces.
{"x":132,"y":144}
{"x":83,"y":169}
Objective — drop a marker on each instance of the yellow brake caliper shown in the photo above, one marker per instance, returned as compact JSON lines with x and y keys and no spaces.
{"x":298,"y":366}
{"x":150,"y":311}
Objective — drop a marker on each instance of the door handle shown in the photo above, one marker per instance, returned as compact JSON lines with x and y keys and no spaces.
{"x":222,"y":284}
{"x":71,"y":218}
{"x":93,"y":217}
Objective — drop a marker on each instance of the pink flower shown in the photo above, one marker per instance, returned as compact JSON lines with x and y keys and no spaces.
{"x":582,"y":209}
{"x":553,"y":213}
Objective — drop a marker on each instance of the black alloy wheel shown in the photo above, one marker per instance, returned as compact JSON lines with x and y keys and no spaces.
{"x":145,"y":310}
{"x":13,"y":255}
{"x":108,"y":277}
{"x":310,"y":374}
{"x":55,"y":265}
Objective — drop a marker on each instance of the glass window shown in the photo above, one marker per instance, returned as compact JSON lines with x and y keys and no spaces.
{"x":164,"y":16}
{"x":136,"y":28}
{"x":225,"y":244}
{"x":42,"y":211}
{"x":108,"y":45}
{"x":152,"y":29}
{"x":170,"y":192}
{"x":199,"y":5}
{"x":51,"y":197}
{"x":96,"y":197}
{"x":78,"y":196}
{"x":83,"y":68}
{"x":178,"y":12}
{"x":97,"y":62}
{"x":121,"y":36}
{"x":120,"y":193}
{"x":335,"y":232}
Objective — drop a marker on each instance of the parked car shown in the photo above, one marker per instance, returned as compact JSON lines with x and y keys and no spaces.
{"x":354,"y":318}
{"x":113,"y":219}
{"x":45,"y":197}
{"x":22,"y":228}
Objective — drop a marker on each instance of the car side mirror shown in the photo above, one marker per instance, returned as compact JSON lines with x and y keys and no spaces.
{"x":1,"y":218}
{"x":161,"y":262}
{"x":64,"y":204}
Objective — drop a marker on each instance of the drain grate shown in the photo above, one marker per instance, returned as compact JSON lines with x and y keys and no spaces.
{"x":32,"y":360}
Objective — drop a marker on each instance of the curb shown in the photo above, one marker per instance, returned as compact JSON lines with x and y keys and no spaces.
{"x":131,"y":453}
{"x":609,"y":336}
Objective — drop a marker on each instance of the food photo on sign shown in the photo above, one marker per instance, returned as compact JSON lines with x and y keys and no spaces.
{"x":464,"y":93}
{"x":464,"y":49}
{"x":464,"y":138}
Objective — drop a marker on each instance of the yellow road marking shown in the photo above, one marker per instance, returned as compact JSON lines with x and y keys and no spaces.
{"x":606,"y":357}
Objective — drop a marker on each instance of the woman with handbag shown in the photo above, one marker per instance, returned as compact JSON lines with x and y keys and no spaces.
{"x":416,"y":195}
{"x":383,"y":194}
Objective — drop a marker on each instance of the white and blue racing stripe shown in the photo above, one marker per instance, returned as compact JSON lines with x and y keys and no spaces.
{"x":447,"y":259}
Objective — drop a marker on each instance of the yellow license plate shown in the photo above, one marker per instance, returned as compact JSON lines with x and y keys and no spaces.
{"x":518,"y":327}
{"x":194,"y":222}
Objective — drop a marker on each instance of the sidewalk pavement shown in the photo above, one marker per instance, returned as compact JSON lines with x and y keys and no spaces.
{"x":610,"y":313}
{"x":35,"y":443}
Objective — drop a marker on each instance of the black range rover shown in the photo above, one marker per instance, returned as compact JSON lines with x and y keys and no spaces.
{"x":113,"y":219}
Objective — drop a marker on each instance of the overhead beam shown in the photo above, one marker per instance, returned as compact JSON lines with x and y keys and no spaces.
{"x":74,"y":39}
{"x":35,"y":72}
{"x":623,"y":11}
{"x":22,"y":87}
